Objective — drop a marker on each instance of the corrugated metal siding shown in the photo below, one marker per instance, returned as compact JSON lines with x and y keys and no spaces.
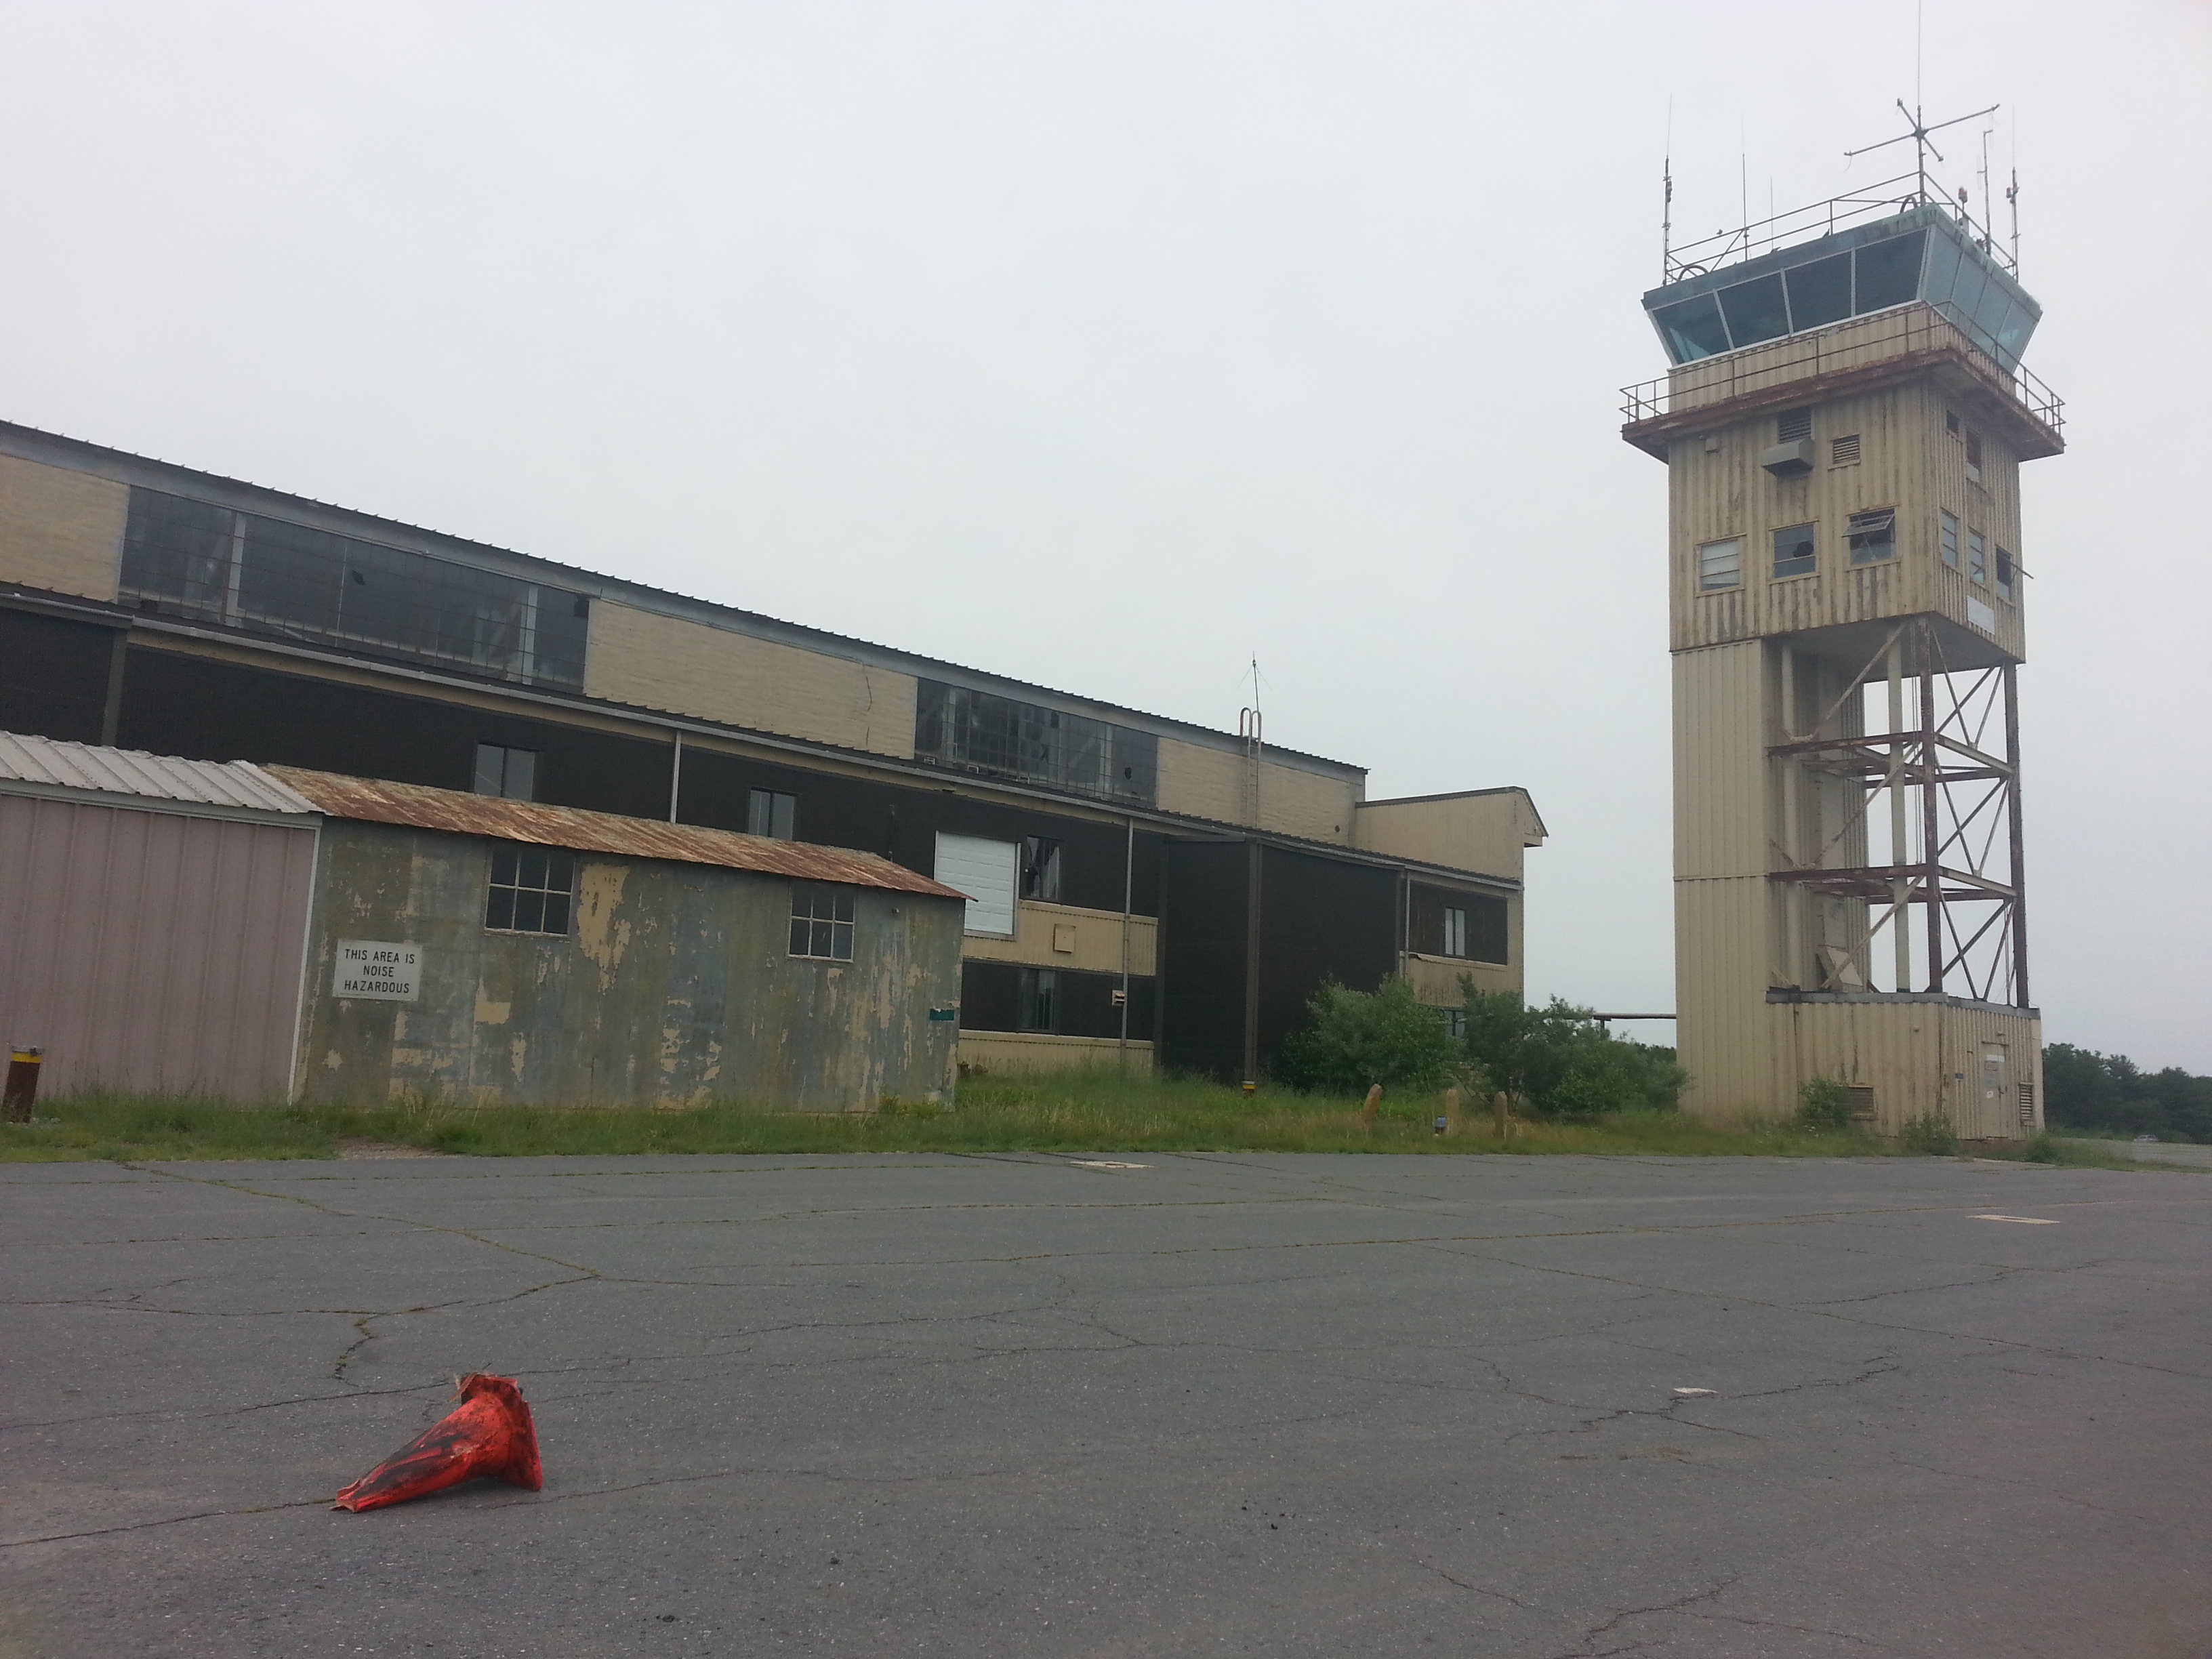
{"x":1919,"y":1057}
{"x":151,"y":950}
{"x":1720,"y":991}
{"x":418,"y":806}
{"x":148,"y":777}
{"x":1720,"y":761}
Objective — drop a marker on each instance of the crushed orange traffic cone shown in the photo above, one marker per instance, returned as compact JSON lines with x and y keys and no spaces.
{"x":489,"y":1433}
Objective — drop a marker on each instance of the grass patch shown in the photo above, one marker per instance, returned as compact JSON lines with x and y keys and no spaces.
{"x":1077,"y":1111}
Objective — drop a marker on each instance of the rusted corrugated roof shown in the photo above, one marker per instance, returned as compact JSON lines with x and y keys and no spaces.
{"x":423,"y":808}
{"x":51,"y":764}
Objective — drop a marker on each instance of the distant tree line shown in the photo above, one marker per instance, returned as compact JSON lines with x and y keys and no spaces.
{"x":2109,"y":1093}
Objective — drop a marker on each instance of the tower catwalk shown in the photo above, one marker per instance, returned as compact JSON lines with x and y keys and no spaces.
{"x":1843,"y":429}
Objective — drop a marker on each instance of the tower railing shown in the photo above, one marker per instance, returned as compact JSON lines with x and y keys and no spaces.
{"x":1855,"y":343}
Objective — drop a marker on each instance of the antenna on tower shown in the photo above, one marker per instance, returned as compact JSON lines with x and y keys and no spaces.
{"x":1923,"y":148}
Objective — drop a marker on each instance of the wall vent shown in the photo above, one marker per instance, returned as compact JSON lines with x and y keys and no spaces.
{"x":1791,"y":424}
{"x":2027,"y":1105}
{"x":1843,"y":452}
{"x":1862,"y":1104}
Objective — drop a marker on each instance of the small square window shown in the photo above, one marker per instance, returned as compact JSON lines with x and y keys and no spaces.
{"x":1793,"y":551}
{"x":1843,"y":452}
{"x":509,"y":773}
{"x":1978,"y":556}
{"x":1952,"y":424}
{"x":1455,"y":933}
{"x":532,"y":890}
{"x":1948,"y":540}
{"x":1720,"y":564}
{"x":771,"y":813}
{"x":1040,"y":868}
{"x":1973,"y":456}
{"x":821,"y":921}
{"x":1873,"y":536}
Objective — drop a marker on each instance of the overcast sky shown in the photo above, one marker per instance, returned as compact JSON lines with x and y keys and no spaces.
{"x":1110,"y":345}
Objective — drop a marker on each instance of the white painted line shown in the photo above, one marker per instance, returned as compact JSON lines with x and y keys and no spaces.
{"x":1104,"y":1163}
{"x":2024,"y":1220}
{"x":1695,"y":1393}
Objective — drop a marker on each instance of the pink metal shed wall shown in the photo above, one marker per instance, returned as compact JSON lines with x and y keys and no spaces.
{"x":150,"y":950}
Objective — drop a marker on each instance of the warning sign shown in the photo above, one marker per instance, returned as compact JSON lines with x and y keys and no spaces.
{"x":373,"y":967}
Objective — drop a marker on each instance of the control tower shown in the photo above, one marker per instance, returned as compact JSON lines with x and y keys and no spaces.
{"x":1843,"y":427}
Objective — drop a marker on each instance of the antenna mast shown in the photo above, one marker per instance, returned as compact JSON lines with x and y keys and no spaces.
{"x":1922,"y":145}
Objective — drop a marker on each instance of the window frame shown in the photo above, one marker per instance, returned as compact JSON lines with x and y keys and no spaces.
{"x":1037,"y":989}
{"x":498,"y":763}
{"x":1946,"y":537}
{"x":510,"y":879}
{"x":1454,"y":927}
{"x":1977,"y":555}
{"x":1705,"y":575}
{"x":1809,"y":559}
{"x":1044,"y":873}
{"x":1877,"y":527}
{"x":778,"y":807}
{"x":811,"y":927}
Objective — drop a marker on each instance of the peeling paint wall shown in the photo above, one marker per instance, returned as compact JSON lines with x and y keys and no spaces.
{"x":673,"y":988}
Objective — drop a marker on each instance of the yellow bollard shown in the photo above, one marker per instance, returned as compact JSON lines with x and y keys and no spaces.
{"x":1501,"y":1111}
{"x":1369,"y":1112}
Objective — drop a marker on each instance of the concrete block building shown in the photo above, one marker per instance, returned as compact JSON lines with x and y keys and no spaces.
{"x":1138,"y":889}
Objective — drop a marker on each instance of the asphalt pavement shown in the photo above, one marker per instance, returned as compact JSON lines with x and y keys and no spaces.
{"x":1153,"y":1405}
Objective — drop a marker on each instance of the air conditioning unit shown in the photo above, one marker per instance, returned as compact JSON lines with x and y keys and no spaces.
{"x":1790,"y":461}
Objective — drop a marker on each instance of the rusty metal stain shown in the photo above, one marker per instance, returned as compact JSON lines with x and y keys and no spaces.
{"x":420,"y":807}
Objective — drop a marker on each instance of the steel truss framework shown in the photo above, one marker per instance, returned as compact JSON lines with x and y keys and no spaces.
{"x":1947,"y":763}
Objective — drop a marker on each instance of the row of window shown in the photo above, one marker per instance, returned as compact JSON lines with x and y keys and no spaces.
{"x":1868,"y":538}
{"x":206,"y":563}
{"x":533,"y":890}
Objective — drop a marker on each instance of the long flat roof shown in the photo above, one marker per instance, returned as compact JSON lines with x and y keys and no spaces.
{"x":33,"y":443}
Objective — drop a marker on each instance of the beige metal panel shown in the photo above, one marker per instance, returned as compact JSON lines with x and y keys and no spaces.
{"x":685,"y":667}
{"x":1486,"y":832}
{"x":1920,"y":1059}
{"x":1019,"y":1052}
{"x":1720,"y":998}
{"x":153,"y":951}
{"x":61,"y":530}
{"x":1436,"y":979}
{"x":1093,"y":939}
{"x":1719,"y":492}
{"x":1720,"y":761}
{"x":1214,"y":783}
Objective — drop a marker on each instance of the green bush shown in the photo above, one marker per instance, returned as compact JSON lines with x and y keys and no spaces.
{"x":1354,"y":1039}
{"x":1823,"y":1103}
{"x":1931,"y":1136}
{"x":1560,"y":1063}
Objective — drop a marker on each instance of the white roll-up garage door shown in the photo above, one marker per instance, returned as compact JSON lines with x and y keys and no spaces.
{"x":989,"y":872}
